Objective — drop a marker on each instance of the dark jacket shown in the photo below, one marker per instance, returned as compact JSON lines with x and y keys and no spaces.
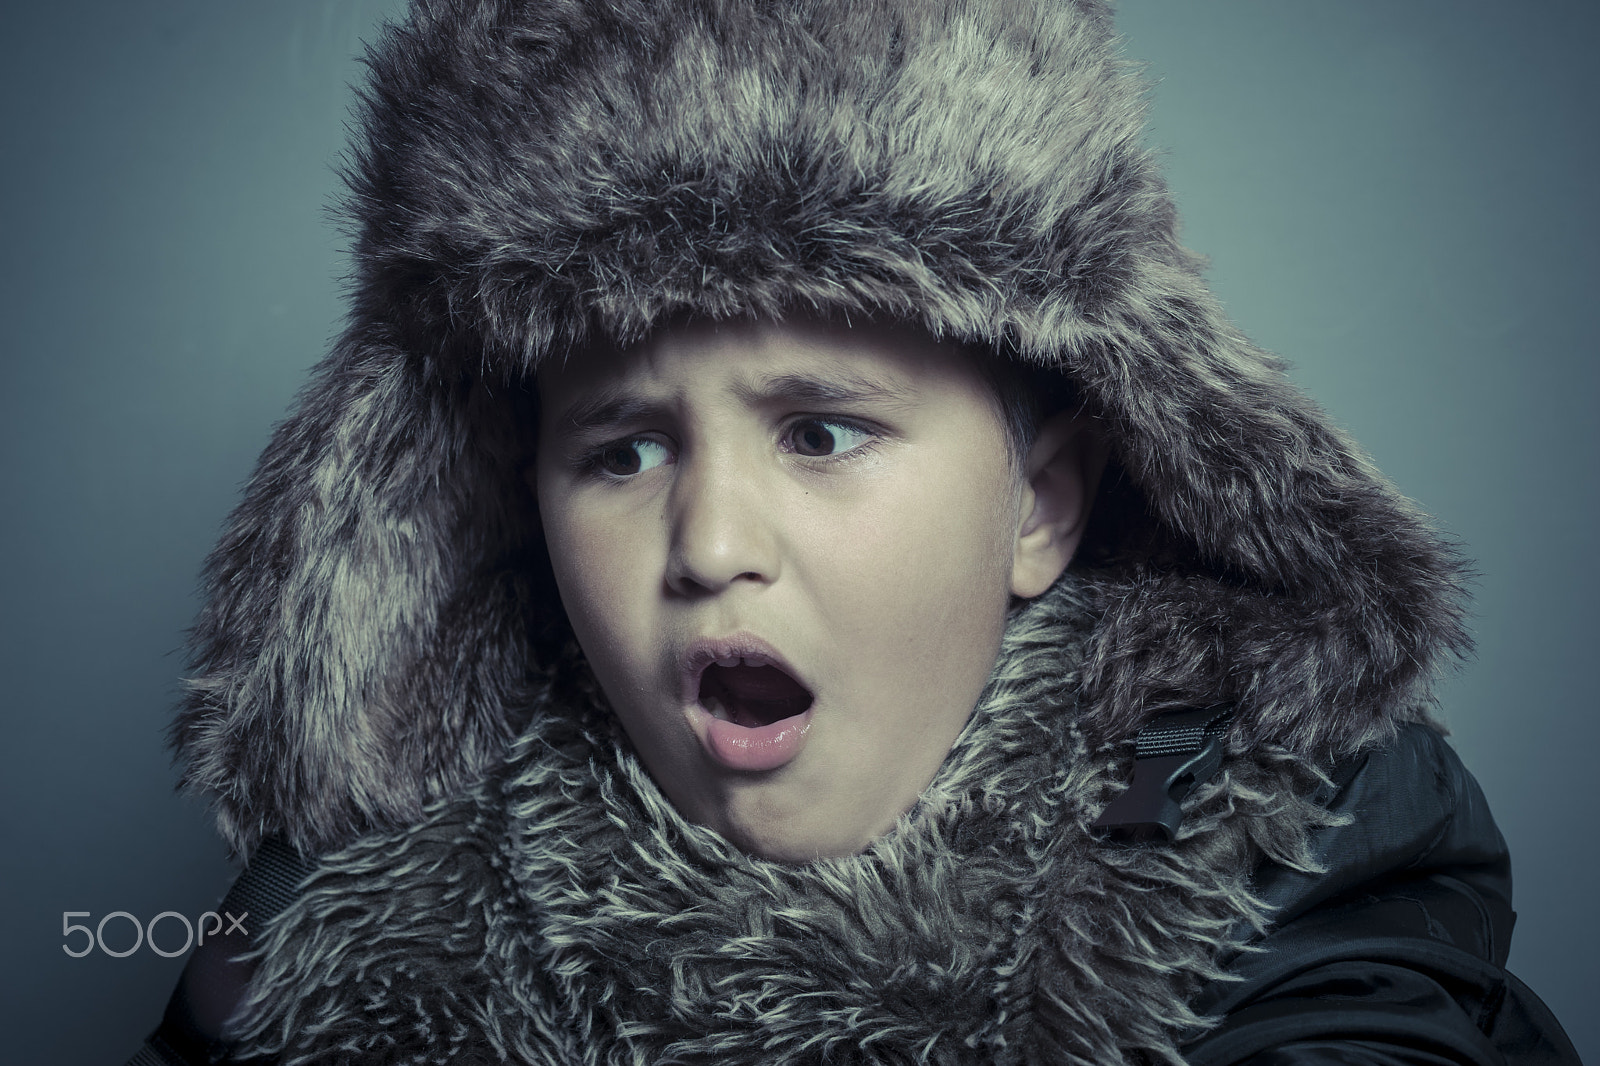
{"x":383,"y":677}
{"x":1396,"y":953}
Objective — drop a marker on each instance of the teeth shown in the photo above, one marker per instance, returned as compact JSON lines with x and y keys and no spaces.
{"x":715,"y":708}
{"x":730,"y":660}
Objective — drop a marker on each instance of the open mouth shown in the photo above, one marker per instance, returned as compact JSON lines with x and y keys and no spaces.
{"x":749,"y":709}
{"x":751,"y":694}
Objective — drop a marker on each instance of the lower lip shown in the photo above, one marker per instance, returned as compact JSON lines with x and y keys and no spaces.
{"x":765,"y":747}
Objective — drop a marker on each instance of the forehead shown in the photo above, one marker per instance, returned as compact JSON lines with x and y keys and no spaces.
{"x":754,"y":360}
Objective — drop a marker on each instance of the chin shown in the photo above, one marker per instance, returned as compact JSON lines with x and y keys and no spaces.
{"x":798,"y":851}
{"x":791,"y":838}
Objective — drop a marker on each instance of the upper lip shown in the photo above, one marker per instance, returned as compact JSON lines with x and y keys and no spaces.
{"x":745,"y":647}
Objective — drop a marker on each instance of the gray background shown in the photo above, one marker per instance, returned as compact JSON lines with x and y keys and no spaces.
{"x":1396,"y":194}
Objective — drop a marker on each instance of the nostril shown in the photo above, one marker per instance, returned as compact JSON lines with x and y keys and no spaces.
{"x":713,"y":562}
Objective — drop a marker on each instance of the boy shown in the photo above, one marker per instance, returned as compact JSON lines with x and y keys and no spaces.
{"x":789,"y":564}
{"x":788,"y":550}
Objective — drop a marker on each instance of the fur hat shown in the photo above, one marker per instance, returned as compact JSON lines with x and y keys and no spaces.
{"x":532,"y":176}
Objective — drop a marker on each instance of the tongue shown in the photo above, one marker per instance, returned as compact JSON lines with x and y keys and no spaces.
{"x":752,"y":696}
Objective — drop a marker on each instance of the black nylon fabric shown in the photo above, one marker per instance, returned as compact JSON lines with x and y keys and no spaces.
{"x":269,"y":884}
{"x":1395,"y":954}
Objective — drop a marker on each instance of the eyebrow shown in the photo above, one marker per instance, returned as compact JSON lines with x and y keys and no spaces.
{"x":611,"y":407}
{"x":615,"y":406}
{"x":836,"y":389}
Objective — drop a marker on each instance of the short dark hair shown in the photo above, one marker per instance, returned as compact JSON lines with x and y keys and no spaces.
{"x":1025,"y":395}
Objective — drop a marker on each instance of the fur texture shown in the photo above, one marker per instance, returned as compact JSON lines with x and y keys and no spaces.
{"x":380,"y":625}
{"x":529,"y":176}
{"x":565,"y":913}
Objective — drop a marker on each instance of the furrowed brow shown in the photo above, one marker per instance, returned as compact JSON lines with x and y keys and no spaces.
{"x":606,"y":410}
{"x":824,"y":392}
{"x":602,"y":412}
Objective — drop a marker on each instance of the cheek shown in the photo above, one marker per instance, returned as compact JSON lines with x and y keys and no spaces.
{"x":596,"y":561}
{"x":920,"y":580}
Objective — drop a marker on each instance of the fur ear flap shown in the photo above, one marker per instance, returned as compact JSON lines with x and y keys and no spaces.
{"x":1266,"y":562}
{"x":364,"y":643}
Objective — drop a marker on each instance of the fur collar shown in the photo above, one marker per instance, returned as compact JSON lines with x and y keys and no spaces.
{"x":565,"y":913}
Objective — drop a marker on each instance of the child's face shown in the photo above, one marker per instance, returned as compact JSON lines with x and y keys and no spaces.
{"x":787,"y":552}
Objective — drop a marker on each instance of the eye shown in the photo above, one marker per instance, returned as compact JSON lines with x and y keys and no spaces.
{"x":815,"y":437}
{"x":624,"y":458}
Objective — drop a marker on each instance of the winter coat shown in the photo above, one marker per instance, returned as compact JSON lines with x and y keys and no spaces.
{"x":383,"y":676}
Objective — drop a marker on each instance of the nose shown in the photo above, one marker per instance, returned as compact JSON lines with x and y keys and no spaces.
{"x":722,"y":527}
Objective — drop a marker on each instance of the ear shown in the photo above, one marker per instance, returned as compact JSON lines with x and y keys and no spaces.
{"x":1060,"y":476}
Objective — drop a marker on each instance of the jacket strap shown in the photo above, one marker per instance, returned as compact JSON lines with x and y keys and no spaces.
{"x":269,"y":884}
{"x":1172,"y":754}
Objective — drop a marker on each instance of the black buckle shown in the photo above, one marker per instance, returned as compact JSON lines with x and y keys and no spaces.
{"x":1172,"y":754}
